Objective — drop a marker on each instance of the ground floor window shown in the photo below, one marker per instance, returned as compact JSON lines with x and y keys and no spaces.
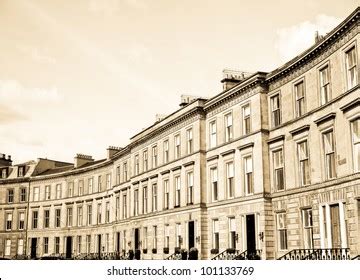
{"x":281,"y":231}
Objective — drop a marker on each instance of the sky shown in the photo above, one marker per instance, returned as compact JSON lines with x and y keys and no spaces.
{"x":78,"y":76}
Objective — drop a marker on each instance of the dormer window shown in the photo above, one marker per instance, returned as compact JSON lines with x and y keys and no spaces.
{"x":4,"y":173}
{"x":21,"y":171}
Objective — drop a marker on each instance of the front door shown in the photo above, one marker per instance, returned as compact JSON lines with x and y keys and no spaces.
{"x":99,"y":244}
{"x":250,"y":234}
{"x":68,"y":247}
{"x":191,"y":231}
{"x":33,"y":248}
{"x":137,"y":239}
{"x":118,"y":242}
{"x":335,"y":226}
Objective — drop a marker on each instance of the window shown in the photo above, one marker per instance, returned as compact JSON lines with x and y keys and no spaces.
{"x":20,"y":250}
{"x":7,"y":247}
{"x":213,"y":138}
{"x":107,"y":212}
{"x":145,"y":200}
{"x":228,"y":127}
{"x":145,"y":160}
{"x":88,"y":244}
{"x":189,"y":141}
{"x":308,"y":228}
{"x":58,"y":191}
{"x":36,"y":194}
{"x":177,"y":191}
{"x":108,"y":181}
{"x":281,"y":229}
{"x":155,"y":237}
{"x":232,"y":233}
{"x":89,"y":214}
{"x":166,"y":151}
{"x":178,"y":235}
{"x":351,"y":68}
{"x":46,"y":218}
{"x":324,"y":85}
{"x":57,"y":245}
{"x":230,"y":179}
{"x":299,"y":99}
{"x":246,"y":119}
{"x":154,"y":197}
{"x":136,"y":202}
{"x":190,"y":188}
{"x":145,"y":241}
{"x":21,"y":220}
{"x":21,"y":171}
{"x":167,"y":236}
{"x":99,"y":183}
{"x":99,"y":212}
{"x":215,"y":239}
{"x":46,"y":245}
{"x":136,"y":164}
{"x":90,"y":185}
{"x":125,"y":170}
{"x":355,"y":130}
{"x":275,"y":110}
{"x":79,"y":216}
{"x":117,"y":208}
{"x":35,"y":216}
{"x":117,"y":175}
{"x":107,"y":243}
{"x":4,"y":172}
{"x":124,"y":206}
{"x":10,"y":195}
{"x":214,"y":183}
{"x":47,"y":192}
{"x":166,"y":194}
{"x":81,"y":187}
{"x":57,"y":218}
{"x":79,"y":244}
{"x":248,"y":175}
{"x":278,"y":171}
{"x":22,"y":195}
{"x":304,"y":168}
{"x":177,"y":146}
{"x":154,"y":157}
{"x":69,"y":216}
{"x":329,"y":153}
{"x":9,"y":218}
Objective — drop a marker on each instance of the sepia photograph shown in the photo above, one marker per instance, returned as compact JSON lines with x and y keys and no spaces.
{"x":179,"y":130}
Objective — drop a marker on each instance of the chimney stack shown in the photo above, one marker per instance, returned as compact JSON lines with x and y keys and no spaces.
{"x":81,"y":159}
{"x":318,"y":37}
{"x":186,"y":99}
{"x":233,"y":77}
{"x":5,"y":161}
{"x":112,"y":150}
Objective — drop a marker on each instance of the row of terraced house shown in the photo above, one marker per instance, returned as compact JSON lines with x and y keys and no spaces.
{"x":269,"y":167}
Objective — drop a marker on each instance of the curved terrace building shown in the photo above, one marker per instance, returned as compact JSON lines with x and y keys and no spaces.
{"x":269,"y":167}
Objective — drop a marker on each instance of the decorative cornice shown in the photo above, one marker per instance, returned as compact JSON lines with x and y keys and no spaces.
{"x":276,"y":139}
{"x":325,"y":118}
{"x":212,"y":158}
{"x":248,"y":145}
{"x":228,"y":152}
{"x":354,"y":103}
{"x":188,"y":163}
{"x":165,"y":172}
{"x":154,"y":176}
{"x":299,"y":129}
{"x":176,"y":168}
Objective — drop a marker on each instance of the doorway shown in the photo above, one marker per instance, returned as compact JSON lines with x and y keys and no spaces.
{"x":335,"y":226}
{"x":250,"y":234}
{"x":68,"y":247}
{"x":33,"y":248}
{"x":191,"y":230}
{"x":118,"y":242}
{"x":137,"y":239}
{"x":99,"y":244}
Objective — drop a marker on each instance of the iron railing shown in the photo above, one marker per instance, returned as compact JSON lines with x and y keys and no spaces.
{"x":249,"y":255}
{"x":317,"y":254}
{"x":228,"y":254}
{"x":356,"y":258}
{"x":174,"y":256}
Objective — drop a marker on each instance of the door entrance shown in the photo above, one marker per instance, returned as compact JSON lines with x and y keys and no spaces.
{"x":33,"y":248}
{"x":68,"y":247}
{"x":250,"y":234}
{"x":118,"y":242}
{"x":137,"y":239}
{"x":335,"y":226}
{"x":191,"y":231}
{"x":99,"y":244}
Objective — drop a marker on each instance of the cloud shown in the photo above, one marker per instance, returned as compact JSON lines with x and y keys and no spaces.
{"x":9,"y":115}
{"x":37,"y":54}
{"x":109,"y":7}
{"x":14,"y":91}
{"x":292,"y":40}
